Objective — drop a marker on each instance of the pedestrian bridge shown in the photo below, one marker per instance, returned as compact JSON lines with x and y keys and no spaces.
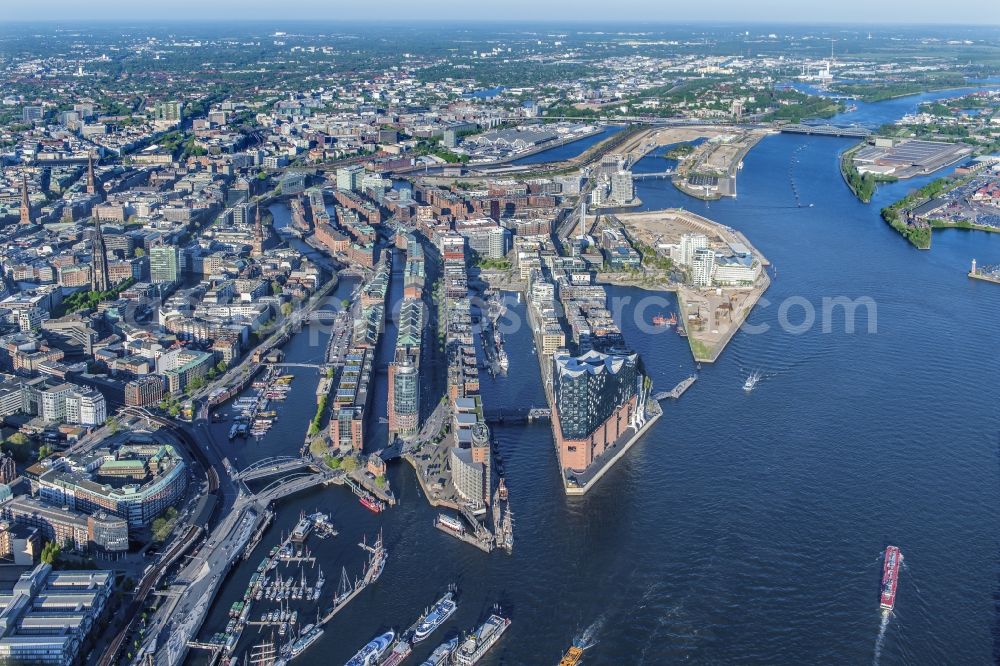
{"x":656,"y":174}
{"x":314,"y":366}
{"x":516,"y":415}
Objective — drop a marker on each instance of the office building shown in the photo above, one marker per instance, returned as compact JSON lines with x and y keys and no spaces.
{"x":182,"y":366}
{"x":91,"y":483}
{"x":31,"y":114}
{"x":168,"y":110}
{"x":164,"y":264}
{"x":470,"y":457}
{"x":499,"y":242}
{"x":350,"y":401}
{"x":69,"y":403}
{"x":349,"y":178}
{"x":100,"y":534}
{"x":47,"y":615}
{"x":144,"y":391}
{"x":468,"y":476}
{"x":404,"y":395}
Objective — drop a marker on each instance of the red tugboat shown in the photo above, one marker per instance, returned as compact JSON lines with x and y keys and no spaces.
{"x":660,"y":320}
{"x":890,"y":576}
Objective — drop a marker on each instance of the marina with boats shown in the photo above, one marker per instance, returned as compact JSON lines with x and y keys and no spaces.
{"x":291,"y":583}
{"x":253,"y":415}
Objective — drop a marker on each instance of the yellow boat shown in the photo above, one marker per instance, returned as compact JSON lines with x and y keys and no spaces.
{"x":572,"y":656}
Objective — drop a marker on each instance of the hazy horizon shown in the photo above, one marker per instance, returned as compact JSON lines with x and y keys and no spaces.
{"x":973,"y":13}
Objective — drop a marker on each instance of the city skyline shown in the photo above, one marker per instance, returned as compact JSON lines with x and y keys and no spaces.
{"x":975,"y":12}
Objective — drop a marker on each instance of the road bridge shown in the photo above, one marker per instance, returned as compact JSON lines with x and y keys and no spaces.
{"x":291,"y":484}
{"x":272,"y":466}
{"x":828,"y":130}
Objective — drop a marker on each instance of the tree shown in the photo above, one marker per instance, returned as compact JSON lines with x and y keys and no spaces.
{"x":18,"y":439}
{"x":50,"y":552}
{"x":380,"y":481}
{"x":140,"y":252}
{"x":318,"y":448}
{"x":286,"y":309}
{"x":220,"y":366}
{"x":349,"y":464}
{"x":113,"y":425}
{"x":19,"y":446}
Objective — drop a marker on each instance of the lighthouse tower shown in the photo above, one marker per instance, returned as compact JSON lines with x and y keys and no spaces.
{"x":973,"y":271}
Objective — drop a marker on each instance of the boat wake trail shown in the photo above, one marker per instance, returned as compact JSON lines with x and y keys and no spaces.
{"x":588,"y":638}
{"x":881,"y":637}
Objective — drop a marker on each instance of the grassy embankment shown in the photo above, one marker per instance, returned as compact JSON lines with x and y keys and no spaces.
{"x":918,"y":232}
{"x":862,"y":185}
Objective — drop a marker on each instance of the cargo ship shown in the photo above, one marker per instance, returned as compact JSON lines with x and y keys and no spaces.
{"x":370,"y":654}
{"x":435,"y":617}
{"x":890,"y":577}
{"x":441,"y":654}
{"x":480,"y":641}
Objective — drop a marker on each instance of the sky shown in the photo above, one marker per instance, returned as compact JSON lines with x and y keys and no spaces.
{"x":969,"y":12}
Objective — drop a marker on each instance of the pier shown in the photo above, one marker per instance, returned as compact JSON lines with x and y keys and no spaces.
{"x":485,"y":546}
{"x":482,"y":543}
{"x":677,"y":391}
{"x":347,"y":592}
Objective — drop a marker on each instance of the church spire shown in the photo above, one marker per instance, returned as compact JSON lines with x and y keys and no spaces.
{"x":100,"y":280}
{"x":25,"y":202}
{"x":91,"y":182}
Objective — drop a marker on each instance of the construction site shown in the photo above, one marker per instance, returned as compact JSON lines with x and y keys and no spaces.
{"x":710,"y":314}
